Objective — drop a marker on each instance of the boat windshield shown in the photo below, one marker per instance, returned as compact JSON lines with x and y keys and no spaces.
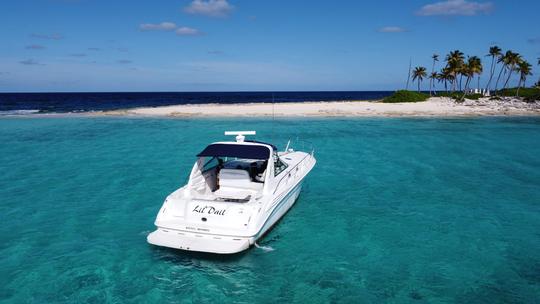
{"x":246,"y":151}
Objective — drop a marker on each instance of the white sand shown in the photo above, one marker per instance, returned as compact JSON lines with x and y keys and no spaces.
{"x":433,"y":107}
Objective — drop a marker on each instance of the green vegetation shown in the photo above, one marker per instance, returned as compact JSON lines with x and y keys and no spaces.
{"x":459,"y":95}
{"x":406,"y":96}
{"x":529,"y":94}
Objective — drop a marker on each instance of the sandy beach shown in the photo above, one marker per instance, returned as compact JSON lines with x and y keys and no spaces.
{"x":435,"y":106}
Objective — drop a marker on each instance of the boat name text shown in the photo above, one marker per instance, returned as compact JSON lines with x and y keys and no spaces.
{"x":209,"y":210}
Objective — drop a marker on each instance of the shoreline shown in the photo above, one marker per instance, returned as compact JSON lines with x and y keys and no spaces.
{"x":433,"y":107}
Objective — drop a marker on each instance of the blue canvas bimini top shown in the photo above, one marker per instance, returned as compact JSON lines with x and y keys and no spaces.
{"x":261,"y":142}
{"x":240,"y":151}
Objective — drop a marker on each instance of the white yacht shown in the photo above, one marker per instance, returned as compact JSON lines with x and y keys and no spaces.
{"x":237,"y":191}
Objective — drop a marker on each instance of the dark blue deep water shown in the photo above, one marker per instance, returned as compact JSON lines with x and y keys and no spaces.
{"x":395,"y":211}
{"x":27,"y":103}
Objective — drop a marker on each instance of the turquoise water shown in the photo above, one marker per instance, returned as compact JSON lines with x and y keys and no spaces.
{"x":396,"y":211}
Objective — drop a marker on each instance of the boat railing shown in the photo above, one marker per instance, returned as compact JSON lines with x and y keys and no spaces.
{"x":297,"y":144}
{"x":289,"y":170}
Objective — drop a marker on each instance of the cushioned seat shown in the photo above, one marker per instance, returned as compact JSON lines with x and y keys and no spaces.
{"x":237,"y":178}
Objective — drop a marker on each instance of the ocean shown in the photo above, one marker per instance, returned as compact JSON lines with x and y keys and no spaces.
{"x":397,"y":210}
{"x":31,"y":103}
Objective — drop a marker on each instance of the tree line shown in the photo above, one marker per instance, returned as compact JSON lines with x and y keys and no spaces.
{"x":458,"y":72}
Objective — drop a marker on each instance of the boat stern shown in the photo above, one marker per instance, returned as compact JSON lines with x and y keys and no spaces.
{"x":198,"y":242}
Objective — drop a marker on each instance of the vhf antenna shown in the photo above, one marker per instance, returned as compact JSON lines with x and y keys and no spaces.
{"x":273,"y":115}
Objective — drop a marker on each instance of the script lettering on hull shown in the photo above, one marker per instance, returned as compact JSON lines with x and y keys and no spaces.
{"x":208,"y":210}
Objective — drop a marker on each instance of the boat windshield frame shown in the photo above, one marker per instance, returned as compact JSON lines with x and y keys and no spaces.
{"x":244,"y":150}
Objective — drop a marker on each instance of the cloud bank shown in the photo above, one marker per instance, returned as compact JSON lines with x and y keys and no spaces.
{"x":187,"y":31}
{"x":35,"y":47}
{"x":30,"y":62}
{"x":456,"y":8}
{"x":211,"y":8}
{"x":47,"y":36}
{"x":391,"y":29}
{"x":163,"y":26}
{"x":169,"y":26}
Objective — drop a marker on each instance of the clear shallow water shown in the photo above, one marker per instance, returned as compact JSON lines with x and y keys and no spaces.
{"x":396,"y":210}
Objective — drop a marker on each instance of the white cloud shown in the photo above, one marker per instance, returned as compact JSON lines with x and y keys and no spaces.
{"x":163,"y":26}
{"x":35,"y":47}
{"x":212,"y":8}
{"x":47,"y":36}
{"x":169,"y":26}
{"x":187,"y":31}
{"x":391,"y":29}
{"x":30,"y":62}
{"x":456,"y":7}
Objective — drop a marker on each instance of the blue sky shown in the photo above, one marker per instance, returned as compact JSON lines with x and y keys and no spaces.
{"x":246,"y":45}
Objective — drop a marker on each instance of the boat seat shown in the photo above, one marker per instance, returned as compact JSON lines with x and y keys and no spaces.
{"x":237,"y":179}
{"x":236,"y":194}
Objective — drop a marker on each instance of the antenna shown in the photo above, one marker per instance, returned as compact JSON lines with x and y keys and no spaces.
{"x":273,"y":115}
{"x":409,"y":75}
{"x":273,"y":106}
{"x":240,"y":135}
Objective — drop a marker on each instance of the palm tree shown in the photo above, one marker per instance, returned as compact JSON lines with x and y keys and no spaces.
{"x":513,"y":62}
{"x":446,"y":76}
{"x":524,"y":68}
{"x":504,"y":60}
{"x":471,"y":68}
{"x":435,"y":58}
{"x":442,"y":77}
{"x":432,"y":77}
{"x":494,"y":51}
{"x":409,"y":74}
{"x":462,"y":71}
{"x":538,"y":78}
{"x":418,"y":74}
{"x":454,"y":61}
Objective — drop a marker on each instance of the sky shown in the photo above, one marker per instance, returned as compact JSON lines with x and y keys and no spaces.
{"x":248,"y":45}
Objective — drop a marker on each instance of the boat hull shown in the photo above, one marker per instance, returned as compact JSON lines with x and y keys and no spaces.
{"x":281,"y":208}
{"x":198,"y":242}
{"x":219,"y":244}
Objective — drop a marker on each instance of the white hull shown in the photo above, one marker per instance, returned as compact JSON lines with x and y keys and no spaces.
{"x":231,"y":217}
{"x":282,"y":207}
{"x":221,"y":244}
{"x":199,"y":241}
